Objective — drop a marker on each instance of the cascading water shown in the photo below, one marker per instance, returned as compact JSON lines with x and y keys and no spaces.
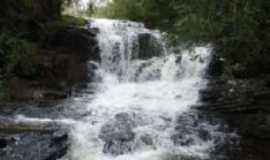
{"x":142,"y":107}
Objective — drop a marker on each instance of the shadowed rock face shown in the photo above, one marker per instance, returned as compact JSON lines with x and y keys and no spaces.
{"x":243,"y":101}
{"x":215,"y":68}
{"x":62,"y":63}
{"x":149,"y":47}
{"x":76,"y":39}
{"x":3,"y":143}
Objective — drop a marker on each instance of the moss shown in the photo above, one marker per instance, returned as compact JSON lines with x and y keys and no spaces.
{"x":4,"y":94}
{"x":71,"y":20}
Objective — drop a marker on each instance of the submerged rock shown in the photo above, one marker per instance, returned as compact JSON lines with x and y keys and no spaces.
{"x":147,"y":139}
{"x":118,"y":134}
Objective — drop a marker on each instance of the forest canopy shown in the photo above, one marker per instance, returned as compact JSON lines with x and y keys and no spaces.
{"x":240,"y":28}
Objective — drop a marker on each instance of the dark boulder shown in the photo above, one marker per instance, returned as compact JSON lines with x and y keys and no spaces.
{"x":36,"y":146}
{"x":3,"y":143}
{"x":215,"y":68}
{"x":82,"y":41}
{"x":117,"y":147}
{"x":204,"y":134}
{"x":118,"y":134}
{"x":119,"y":128}
{"x":147,"y":140}
{"x":149,"y":47}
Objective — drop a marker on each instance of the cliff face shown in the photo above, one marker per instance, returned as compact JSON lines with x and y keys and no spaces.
{"x":43,"y":54}
{"x":61,"y":64}
{"x":244,"y":102}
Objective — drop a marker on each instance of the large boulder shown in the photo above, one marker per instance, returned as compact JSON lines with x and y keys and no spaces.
{"x":3,"y":143}
{"x":149,"y":47}
{"x":82,"y":41}
{"x":215,"y":68}
{"x":58,"y":65}
{"x":118,"y":134}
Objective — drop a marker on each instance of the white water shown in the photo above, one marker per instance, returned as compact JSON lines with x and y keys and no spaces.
{"x":153,"y":92}
{"x":156,"y":94}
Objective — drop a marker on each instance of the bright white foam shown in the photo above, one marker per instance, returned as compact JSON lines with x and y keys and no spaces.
{"x":154,"y":92}
{"x":155,"y":103}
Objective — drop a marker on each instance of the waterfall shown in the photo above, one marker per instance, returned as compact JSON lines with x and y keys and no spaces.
{"x":142,"y":106}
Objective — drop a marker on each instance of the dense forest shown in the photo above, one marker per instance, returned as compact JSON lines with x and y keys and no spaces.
{"x":239,"y":29}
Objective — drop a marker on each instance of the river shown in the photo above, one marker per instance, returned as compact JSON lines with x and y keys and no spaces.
{"x":140,"y":105}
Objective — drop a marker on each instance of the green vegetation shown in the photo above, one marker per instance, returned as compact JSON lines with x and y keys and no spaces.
{"x":17,"y":54}
{"x":238,"y":28}
{"x":25,"y":26}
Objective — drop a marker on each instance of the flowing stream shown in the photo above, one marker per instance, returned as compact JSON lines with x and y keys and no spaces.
{"x":140,"y":105}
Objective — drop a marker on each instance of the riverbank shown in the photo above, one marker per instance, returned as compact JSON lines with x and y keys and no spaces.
{"x":44,"y":54}
{"x":243,"y":102}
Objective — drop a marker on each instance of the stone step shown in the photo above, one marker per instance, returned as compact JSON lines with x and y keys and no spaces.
{"x":9,"y":125}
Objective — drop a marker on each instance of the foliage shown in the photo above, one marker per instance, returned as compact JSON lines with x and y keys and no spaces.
{"x":237,"y":27}
{"x":71,"y":20}
{"x":18,"y":57}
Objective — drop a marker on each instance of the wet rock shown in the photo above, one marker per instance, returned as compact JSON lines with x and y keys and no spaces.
{"x":34,"y":146}
{"x":60,"y":64}
{"x":59,"y":141}
{"x":119,"y":129}
{"x":204,"y":134}
{"x":92,"y":67}
{"x":118,"y":134}
{"x":182,"y":139}
{"x":50,"y":94}
{"x":3,"y":143}
{"x":215,"y":68}
{"x":117,"y":147}
{"x":59,"y":137}
{"x":149,"y":47}
{"x":178,"y":59}
{"x":147,"y":139}
{"x":80,"y":40}
{"x":94,"y":31}
{"x":186,"y":125}
{"x":210,"y":95}
{"x":240,"y":71}
{"x":179,"y":157}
